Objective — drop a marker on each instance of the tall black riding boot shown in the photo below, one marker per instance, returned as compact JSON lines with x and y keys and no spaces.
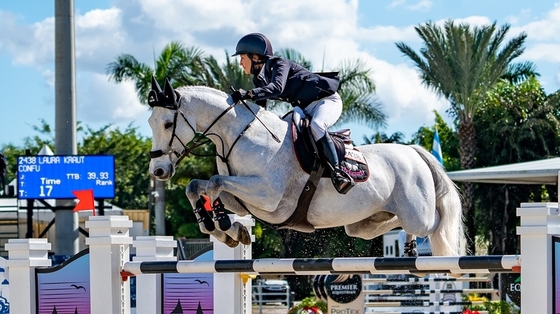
{"x":341,"y":180}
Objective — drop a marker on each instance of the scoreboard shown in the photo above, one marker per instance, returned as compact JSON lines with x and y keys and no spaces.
{"x":55,"y":177}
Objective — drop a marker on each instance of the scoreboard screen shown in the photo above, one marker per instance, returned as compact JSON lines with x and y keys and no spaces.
{"x":55,"y":177}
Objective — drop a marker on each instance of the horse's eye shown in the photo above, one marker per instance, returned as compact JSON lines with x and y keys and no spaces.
{"x":168,"y":125}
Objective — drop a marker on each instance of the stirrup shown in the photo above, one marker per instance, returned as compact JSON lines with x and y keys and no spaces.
{"x":342,"y":181}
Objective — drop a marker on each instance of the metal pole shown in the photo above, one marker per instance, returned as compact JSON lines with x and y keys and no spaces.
{"x":66,"y":226}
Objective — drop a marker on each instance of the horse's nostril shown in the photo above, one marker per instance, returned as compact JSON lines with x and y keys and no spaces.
{"x":159,"y":172}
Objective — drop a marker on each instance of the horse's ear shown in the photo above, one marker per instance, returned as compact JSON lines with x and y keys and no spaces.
{"x":169,"y":93}
{"x":155,"y":86}
{"x":152,"y":98}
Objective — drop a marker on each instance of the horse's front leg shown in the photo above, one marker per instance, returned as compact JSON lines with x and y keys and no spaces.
{"x":202,"y":209}
{"x":264,"y":194}
{"x":224,"y":231}
{"x":252,"y":190}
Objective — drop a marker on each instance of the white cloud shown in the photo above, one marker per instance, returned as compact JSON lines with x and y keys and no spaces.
{"x":421,"y":5}
{"x":546,"y":29}
{"x":543,"y":52}
{"x":473,"y":21}
{"x":407,"y":102}
{"x":30,"y":45}
{"x":324,"y":31}
{"x":102,"y":101}
{"x":388,"y":34}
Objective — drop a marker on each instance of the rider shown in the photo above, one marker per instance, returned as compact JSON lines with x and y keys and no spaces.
{"x":281,"y":79}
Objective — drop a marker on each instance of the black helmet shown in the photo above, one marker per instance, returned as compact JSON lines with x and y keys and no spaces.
{"x":256,"y":43}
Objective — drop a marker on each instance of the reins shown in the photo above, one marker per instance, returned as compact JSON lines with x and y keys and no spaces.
{"x":197,"y":141}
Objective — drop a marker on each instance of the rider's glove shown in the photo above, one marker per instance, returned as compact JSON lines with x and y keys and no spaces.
{"x":239,"y":95}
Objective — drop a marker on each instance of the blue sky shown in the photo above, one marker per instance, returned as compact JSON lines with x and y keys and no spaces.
{"x":325,"y":31}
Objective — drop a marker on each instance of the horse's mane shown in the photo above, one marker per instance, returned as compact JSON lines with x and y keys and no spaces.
{"x":198,"y":89}
{"x":205,"y":93}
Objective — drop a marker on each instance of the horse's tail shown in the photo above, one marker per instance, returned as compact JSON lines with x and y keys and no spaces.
{"x":449,"y":238}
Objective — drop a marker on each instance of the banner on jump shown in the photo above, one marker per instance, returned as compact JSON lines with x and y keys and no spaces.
{"x":55,"y":177}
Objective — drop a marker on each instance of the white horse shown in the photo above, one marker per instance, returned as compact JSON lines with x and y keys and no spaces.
{"x":258,"y":175}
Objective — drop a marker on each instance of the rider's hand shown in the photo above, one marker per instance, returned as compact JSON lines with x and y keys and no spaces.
{"x":239,"y":95}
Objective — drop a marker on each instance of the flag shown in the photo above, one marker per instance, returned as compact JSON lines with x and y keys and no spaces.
{"x":85,"y":200}
{"x":436,"y":148}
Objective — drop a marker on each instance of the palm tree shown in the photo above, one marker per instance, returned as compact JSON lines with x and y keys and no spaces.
{"x":462,"y":63}
{"x":182,"y":66}
{"x":381,"y":137}
{"x":356,"y":90}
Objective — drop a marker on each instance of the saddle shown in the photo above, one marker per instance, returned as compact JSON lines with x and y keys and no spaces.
{"x":351,"y":160}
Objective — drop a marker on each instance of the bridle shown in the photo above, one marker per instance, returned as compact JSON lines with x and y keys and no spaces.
{"x":198,"y":140}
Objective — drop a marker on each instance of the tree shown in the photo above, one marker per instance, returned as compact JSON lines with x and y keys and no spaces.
{"x":131,"y":161}
{"x":179,"y":64}
{"x":462,"y":63}
{"x":448,"y":138}
{"x":356,"y":90}
{"x":128,"y":147}
{"x":516,"y":123}
{"x":381,"y":137}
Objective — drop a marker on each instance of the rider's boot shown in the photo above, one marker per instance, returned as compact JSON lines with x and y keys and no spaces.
{"x":341,"y":180}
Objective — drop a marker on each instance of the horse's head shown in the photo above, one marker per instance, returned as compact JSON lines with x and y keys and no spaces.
{"x":168,"y":134}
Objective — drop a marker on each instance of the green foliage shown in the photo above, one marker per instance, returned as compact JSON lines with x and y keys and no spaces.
{"x":381,"y":137}
{"x":461,"y":62}
{"x":448,"y":140}
{"x":180,"y":220}
{"x":501,"y":307}
{"x":131,"y":162}
{"x":309,"y":303}
{"x":33,"y":144}
{"x":129,"y":148}
{"x":492,"y":307}
{"x":515,"y":123}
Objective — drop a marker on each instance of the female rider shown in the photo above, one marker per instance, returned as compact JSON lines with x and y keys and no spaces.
{"x":281,"y":79}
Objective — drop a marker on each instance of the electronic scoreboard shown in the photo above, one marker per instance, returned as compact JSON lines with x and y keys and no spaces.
{"x":55,"y":177}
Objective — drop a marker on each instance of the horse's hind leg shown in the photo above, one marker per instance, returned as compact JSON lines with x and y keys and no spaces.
{"x":410,"y":246}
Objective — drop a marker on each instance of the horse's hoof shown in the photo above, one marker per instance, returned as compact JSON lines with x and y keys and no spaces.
{"x":231,"y":242}
{"x":243,"y":235}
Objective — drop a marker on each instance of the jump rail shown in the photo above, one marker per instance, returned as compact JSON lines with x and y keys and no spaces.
{"x":350,"y":265}
{"x":426,"y":292}
{"x":431,"y":279}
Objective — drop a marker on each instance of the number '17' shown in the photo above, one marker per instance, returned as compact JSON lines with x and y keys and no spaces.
{"x":47,"y":188}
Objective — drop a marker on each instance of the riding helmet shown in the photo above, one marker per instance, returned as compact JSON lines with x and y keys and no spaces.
{"x":256,"y":43}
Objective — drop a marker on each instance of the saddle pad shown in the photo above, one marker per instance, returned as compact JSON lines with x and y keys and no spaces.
{"x":352,"y":161}
{"x":355,"y":164}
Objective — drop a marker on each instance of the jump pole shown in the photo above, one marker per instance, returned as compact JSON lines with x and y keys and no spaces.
{"x":346,"y":265}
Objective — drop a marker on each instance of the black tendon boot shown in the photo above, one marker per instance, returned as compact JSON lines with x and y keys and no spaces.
{"x":341,"y":180}
{"x":202,"y":211}
{"x":220,"y":215}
